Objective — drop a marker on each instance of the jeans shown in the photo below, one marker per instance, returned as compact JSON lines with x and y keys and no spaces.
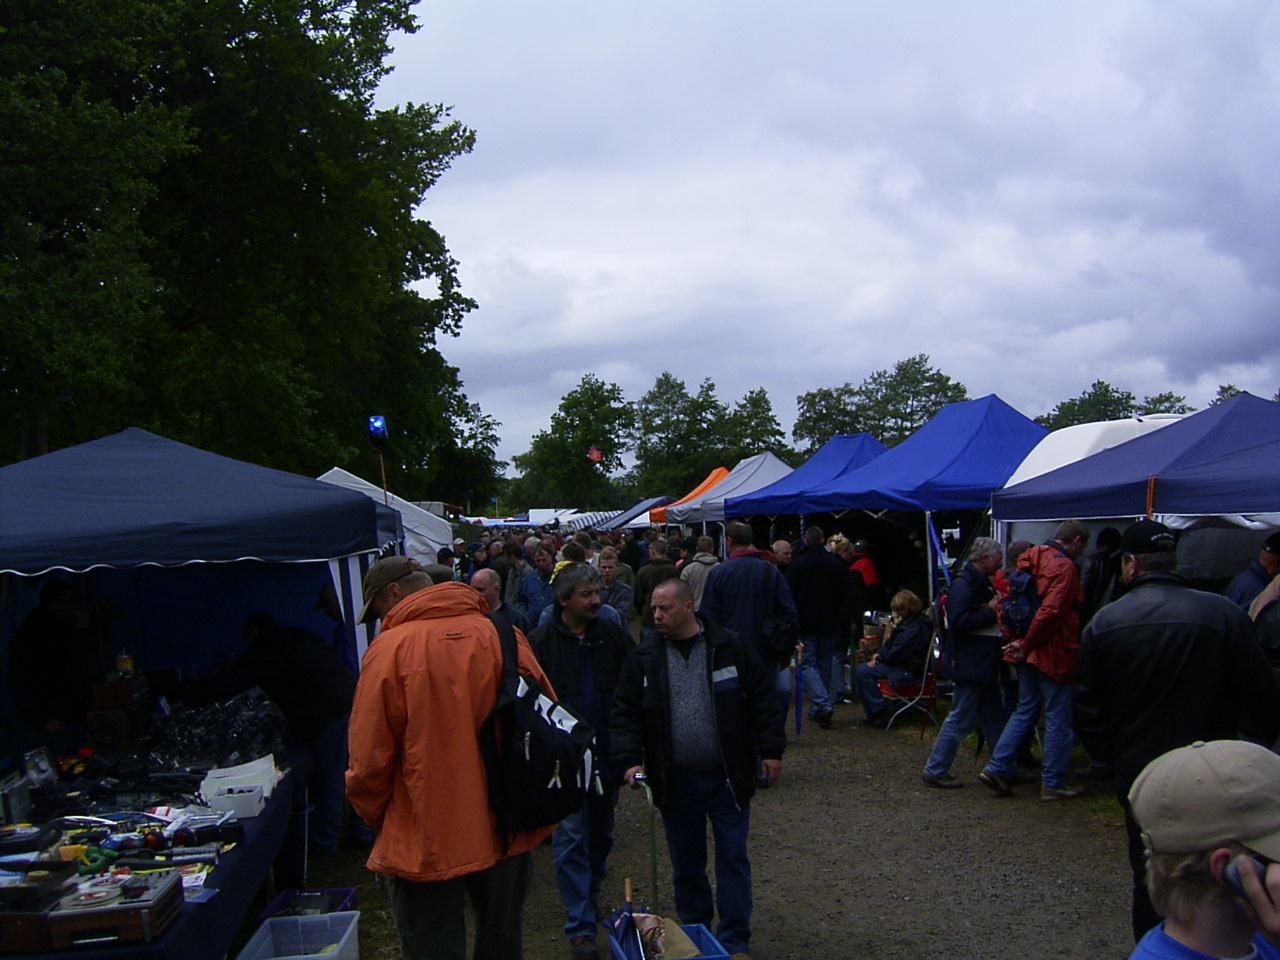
{"x":430,"y":917}
{"x":1036,"y":690}
{"x":866,"y":684}
{"x":970,"y":700}
{"x":579,"y":848}
{"x":815,"y":668}
{"x":839,"y":689}
{"x":691,"y":800}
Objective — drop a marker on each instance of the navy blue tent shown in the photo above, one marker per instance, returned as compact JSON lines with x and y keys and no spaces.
{"x":134,"y":499}
{"x":953,"y":462}
{"x":840,"y":455}
{"x":631,"y":513}
{"x":1221,"y":460}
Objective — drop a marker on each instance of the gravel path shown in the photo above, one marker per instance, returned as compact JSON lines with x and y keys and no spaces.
{"x":854,"y":857}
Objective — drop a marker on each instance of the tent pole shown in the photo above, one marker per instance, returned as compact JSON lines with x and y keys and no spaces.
{"x":928,"y":551}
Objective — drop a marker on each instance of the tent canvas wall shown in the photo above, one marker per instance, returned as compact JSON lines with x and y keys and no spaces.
{"x":424,"y":532}
{"x":658,"y":515}
{"x":133,"y":504}
{"x":1220,"y":460}
{"x":840,"y":455}
{"x":749,"y":475}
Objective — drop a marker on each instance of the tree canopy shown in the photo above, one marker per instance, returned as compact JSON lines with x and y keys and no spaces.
{"x":557,"y":469}
{"x":210,"y":231}
{"x":889,"y":404}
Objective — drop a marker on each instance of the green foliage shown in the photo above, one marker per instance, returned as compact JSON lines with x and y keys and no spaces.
{"x":556,"y":471}
{"x":1167,"y":402}
{"x":1101,"y":401}
{"x":1225,"y":392}
{"x":890,"y":405}
{"x":208,"y":230}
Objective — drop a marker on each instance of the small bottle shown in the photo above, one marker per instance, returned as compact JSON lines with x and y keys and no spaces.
{"x":124,"y":663}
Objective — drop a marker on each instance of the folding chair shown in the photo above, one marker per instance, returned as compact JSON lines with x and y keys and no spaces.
{"x":921,"y":696}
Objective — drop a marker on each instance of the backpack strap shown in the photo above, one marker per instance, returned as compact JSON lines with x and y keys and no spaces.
{"x":491,"y":730}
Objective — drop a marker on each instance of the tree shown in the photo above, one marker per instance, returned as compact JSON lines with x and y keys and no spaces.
{"x":556,"y":470}
{"x":1225,"y":392}
{"x":891,"y":405}
{"x":1163,"y":403}
{"x":1101,"y":401}
{"x":210,"y":231}
{"x":751,"y":427}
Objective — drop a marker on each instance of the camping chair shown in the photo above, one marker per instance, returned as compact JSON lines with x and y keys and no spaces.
{"x":921,"y":696}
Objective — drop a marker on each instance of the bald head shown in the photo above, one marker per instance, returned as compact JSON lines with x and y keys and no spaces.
{"x":487,"y":583}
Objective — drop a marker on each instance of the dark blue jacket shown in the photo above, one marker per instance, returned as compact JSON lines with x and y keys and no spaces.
{"x":749,"y":717}
{"x":535,"y":593}
{"x":907,"y":647}
{"x":735,"y":597}
{"x":1248,"y":584}
{"x":967,"y":656}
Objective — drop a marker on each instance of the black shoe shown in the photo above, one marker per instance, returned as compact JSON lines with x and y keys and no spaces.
{"x":824,"y":721}
{"x":876,"y":719}
{"x":996,"y":782}
{"x":944,"y":780}
{"x":584,"y":948}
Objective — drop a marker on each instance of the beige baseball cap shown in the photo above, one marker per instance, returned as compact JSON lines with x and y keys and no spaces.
{"x":1199,"y":797}
{"x":380,"y":575}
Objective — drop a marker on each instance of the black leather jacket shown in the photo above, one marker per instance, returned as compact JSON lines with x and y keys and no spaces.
{"x":1165,"y":666}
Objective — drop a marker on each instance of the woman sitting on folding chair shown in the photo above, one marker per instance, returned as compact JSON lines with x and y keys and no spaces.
{"x":901,"y":659}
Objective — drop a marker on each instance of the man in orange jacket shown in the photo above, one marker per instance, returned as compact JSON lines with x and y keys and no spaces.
{"x":416,"y":776}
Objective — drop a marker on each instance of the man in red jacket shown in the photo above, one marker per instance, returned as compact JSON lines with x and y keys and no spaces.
{"x":1046,"y":657}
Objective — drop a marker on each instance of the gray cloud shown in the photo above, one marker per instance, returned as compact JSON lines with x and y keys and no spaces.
{"x":796,"y":196}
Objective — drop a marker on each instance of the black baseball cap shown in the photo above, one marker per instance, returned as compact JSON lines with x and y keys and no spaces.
{"x":1148,"y":536}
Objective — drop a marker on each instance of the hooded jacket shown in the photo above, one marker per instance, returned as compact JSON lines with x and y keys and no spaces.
{"x":427,"y":683}
{"x":694,"y":573}
{"x":1053,"y":638}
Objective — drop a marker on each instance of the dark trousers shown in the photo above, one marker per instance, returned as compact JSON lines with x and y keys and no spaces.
{"x":1144,"y":915}
{"x":430,"y":917}
{"x":692,"y":799}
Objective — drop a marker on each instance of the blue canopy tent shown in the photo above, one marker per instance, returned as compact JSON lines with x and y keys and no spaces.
{"x":840,"y":455}
{"x":953,"y":462}
{"x":128,"y":505}
{"x":1220,"y":460}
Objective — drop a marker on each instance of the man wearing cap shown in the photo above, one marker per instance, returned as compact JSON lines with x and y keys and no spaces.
{"x":1260,"y":572}
{"x":1206,"y":810}
{"x":431,"y":676}
{"x":1162,"y":667}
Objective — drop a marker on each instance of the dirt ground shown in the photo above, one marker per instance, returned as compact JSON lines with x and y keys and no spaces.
{"x":854,"y":857}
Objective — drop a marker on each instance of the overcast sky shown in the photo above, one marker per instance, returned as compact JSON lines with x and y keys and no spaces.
{"x":795,"y":195}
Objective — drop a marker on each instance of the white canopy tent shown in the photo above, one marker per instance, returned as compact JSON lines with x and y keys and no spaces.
{"x":748,"y":476}
{"x":424,"y":533}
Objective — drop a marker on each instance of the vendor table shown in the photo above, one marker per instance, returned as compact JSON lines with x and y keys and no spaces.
{"x":204,"y":931}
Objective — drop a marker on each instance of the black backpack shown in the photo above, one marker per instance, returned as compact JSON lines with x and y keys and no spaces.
{"x":539,"y":756}
{"x":1019,"y":608}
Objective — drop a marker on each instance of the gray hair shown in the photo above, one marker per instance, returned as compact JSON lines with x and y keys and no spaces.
{"x":572,"y":577}
{"x":985,"y":547}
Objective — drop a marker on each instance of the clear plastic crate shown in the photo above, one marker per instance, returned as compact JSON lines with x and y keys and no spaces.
{"x":295,"y":938}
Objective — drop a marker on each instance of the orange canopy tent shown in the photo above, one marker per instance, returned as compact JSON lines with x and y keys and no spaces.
{"x":659,"y":514}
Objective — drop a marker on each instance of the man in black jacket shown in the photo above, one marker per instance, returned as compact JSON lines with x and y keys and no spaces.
{"x":582,"y":654}
{"x":820,"y":590}
{"x":693,"y":708}
{"x":971,"y":645}
{"x":1160,"y":668}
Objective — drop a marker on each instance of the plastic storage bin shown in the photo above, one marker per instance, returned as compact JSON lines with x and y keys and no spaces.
{"x":295,"y":938}
{"x":295,"y":903}
{"x":700,"y":935}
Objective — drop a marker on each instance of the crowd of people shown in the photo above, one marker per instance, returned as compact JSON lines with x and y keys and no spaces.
{"x":681,"y":663}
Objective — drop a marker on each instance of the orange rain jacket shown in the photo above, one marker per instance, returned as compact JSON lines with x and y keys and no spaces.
{"x":427,"y":683}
